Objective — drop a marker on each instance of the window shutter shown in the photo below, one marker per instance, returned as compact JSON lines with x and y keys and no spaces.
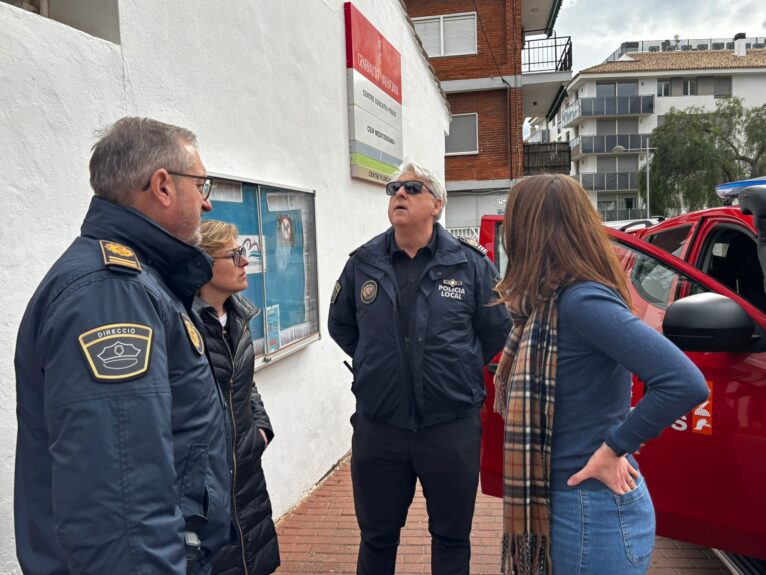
{"x":462,"y":135}
{"x":428,"y":30}
{"x":460,"y":34}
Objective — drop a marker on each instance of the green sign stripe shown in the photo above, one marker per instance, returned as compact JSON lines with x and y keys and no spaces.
{"x":368,"y":162}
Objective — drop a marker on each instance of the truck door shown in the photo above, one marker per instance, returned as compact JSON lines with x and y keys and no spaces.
{"x":707,"y":472}
{"x":490,"y":236}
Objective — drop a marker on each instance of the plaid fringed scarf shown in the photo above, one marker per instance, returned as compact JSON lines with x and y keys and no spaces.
{"x":525,"y":382}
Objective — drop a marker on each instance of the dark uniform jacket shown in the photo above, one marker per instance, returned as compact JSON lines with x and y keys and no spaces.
{"x":122,"y":436}
{"x":434,"y":373}
{"x":256,"y":551}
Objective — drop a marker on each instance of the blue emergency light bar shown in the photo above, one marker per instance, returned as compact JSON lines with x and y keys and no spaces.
{"x":731,"y":190}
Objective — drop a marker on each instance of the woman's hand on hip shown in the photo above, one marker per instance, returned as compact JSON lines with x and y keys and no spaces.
{"x":612,"y":470}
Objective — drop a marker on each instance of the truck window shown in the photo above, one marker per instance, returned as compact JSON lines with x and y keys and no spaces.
{"x":672,"y":240}
{"x":730,"y":256}
{"x":653,"y":285}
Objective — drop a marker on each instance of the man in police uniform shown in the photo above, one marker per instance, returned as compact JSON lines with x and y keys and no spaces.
{"x":412,"y":309}
{"x":121,"y":460}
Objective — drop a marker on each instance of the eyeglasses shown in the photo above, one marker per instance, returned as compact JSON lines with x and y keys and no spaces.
{"x":236,"y":255}
{"x":412,"y":187}
{"x":204,"y":188}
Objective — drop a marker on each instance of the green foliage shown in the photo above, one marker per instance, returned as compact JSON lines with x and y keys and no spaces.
{"x":696,"y":149}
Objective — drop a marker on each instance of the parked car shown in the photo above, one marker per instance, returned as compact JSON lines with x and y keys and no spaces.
{"x":698,"y":279}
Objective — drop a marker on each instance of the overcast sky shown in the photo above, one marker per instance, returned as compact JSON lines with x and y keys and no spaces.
{"x":598,"y":27}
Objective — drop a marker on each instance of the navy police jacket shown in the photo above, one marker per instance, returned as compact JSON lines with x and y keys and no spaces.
{"x":456,"y":332}
{"x":122,"y":442}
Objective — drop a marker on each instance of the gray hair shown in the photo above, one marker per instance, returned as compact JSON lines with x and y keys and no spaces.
{"x":429,"y":178}
{"x":129,"y":151}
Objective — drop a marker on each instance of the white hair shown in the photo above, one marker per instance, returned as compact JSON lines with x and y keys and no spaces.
{"x":429,"y":177}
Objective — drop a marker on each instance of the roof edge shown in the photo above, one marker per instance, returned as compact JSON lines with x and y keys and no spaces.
{"x":556,"y":104}
{"x":554,"y":14}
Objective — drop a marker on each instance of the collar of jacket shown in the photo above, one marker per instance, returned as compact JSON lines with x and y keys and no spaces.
{"x":448,"y":249}
{"x":183,"y":267}
{"x":236,"y":305}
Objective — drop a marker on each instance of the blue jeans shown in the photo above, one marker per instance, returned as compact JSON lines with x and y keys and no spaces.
{"x":600,"y":533}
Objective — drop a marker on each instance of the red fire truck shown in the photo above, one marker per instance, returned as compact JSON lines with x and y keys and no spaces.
{"x":699,"y":279}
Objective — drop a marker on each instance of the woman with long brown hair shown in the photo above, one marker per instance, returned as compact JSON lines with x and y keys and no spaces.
{"x":574,"y":499}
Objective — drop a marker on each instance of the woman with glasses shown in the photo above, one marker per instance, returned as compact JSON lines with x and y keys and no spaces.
{"x":226,"y":315}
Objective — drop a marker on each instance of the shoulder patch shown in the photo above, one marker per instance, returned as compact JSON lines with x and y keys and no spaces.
{"x":119,"y":257}
{"x":335,"y":292}
{"x":117,"y":352}
{"x":194,"y":336}
{"x":473,"y":244}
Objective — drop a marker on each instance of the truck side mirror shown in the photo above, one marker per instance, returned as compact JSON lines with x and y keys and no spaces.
{"x":752,"y":201}
{"x":708,"y":322}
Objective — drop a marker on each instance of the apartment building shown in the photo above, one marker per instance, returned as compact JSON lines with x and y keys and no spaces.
{"x":611,"y":109}
{"x":499,"y":62}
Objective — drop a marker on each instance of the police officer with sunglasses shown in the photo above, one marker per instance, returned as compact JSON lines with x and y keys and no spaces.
{"x":412,"y":308}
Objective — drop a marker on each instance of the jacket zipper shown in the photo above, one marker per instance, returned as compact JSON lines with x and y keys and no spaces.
{"x":234,"y":454}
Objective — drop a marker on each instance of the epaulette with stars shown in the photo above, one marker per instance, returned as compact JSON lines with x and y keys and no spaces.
{"x":474,"y":245}
{"x":118,"y":257}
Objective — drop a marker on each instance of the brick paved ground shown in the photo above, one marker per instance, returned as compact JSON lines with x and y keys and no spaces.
{"x":320,"y":537}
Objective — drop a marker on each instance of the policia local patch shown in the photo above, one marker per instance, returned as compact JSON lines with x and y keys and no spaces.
{"x":117,"y":352}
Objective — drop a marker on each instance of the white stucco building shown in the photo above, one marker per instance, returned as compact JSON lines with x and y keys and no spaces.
{"x":264,"y":86}
{"x":611,"y":109}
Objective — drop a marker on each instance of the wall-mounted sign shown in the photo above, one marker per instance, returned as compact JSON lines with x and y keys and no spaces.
{"x":374,"y":72}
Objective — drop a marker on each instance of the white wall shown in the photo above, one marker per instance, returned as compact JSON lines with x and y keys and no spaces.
{"x":263,"y":84}
{"x":750,"y":87}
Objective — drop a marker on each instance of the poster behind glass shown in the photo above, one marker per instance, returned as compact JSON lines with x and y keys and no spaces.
{"x":281,"y":253}
{"x":290,"y":279}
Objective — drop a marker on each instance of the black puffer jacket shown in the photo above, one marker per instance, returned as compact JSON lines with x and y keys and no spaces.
{"x":233,"y":368}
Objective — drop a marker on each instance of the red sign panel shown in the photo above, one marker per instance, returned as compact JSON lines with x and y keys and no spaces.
{"x":368,"y":52}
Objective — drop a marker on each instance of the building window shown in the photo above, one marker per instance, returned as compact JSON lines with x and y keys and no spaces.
{"x":450,"y":35}
{"x":607,"y":205}
{"x":277,"y":226}
{"x":663,"y":87}
{"x":627,"y":88}
{"x":722,"y":87}
{"x":690,"y":86}
{"x":605,"y":90}
{"x":463,"y":135}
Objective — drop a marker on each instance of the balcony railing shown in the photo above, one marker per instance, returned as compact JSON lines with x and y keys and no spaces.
{"x":540,"y":137}
{"x":606,"y":144}
{"x":617,"y":215}
{"x":607,"y":106}
{"x":685,"y":45}
{"x":547,"y":55}
{"x":609,"y":181}
{"x":551,"y":158}
{"x":468,"y":232}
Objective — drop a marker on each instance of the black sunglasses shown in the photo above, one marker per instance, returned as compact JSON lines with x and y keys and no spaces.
{"x":236,"y":255}
{"x":412,"y":187}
